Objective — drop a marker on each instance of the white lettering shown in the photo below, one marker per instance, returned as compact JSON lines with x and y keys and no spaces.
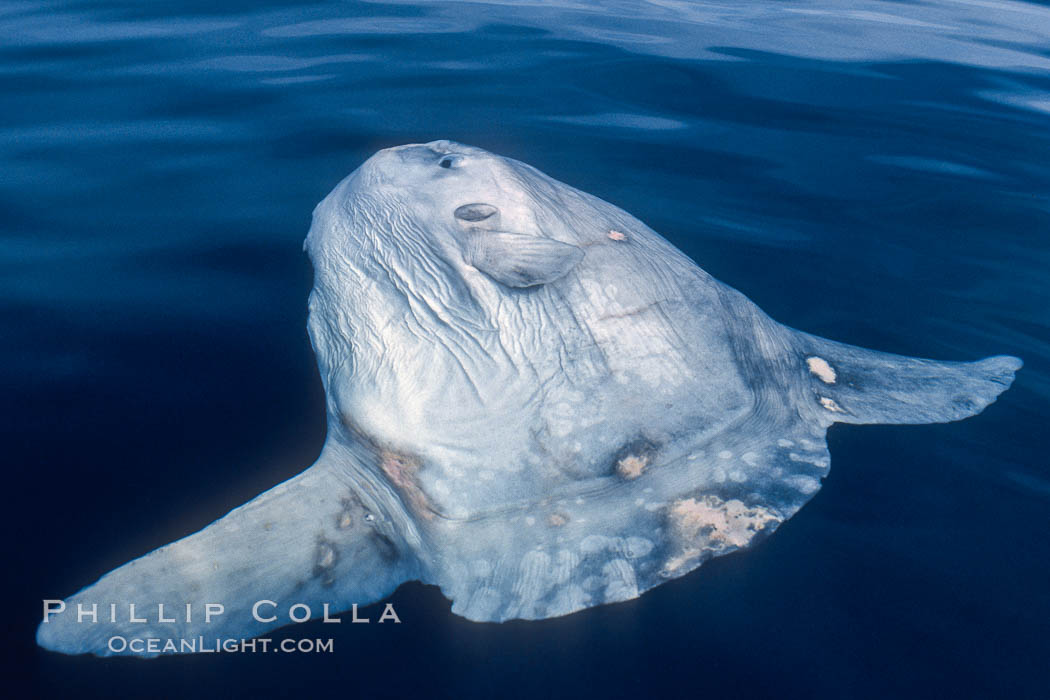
{"x":212,"y":609}
{"x":304,"y":618}
{"x":52,"y":607}
{"x":81,"y":613}
{"x":389,"y":614}
{"x":255,"y":611}
{"x":354,"y":617}
{"x":131,"y":616}
{"x":160,"y":614}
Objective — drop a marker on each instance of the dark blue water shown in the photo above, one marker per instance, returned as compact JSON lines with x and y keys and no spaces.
{"x":874,"y":172}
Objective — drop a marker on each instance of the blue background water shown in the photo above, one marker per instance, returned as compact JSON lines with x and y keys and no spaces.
{"x":874,"y":172}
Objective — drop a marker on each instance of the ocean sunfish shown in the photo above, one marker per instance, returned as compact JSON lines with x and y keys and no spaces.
{"x":534,"y":402}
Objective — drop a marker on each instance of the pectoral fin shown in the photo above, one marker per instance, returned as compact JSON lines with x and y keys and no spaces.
{"x":313,"y":540}
{"x":519,"y":260}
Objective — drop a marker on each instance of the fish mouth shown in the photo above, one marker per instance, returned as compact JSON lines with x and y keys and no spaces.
{"x":440,"y":147}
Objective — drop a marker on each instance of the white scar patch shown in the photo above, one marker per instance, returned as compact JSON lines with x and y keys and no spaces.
{"x":632,"y":466}
{"x":715,"y":525}
{"x":820,"y":367}
{"x":830,"y":405}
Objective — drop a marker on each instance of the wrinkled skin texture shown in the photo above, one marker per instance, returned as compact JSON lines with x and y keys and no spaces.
{"x":535,"y":402}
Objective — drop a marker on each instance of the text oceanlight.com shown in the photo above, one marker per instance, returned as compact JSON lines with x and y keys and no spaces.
{"x":200,"y":645}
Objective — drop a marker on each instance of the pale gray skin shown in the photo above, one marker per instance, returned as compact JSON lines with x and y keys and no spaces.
{"x":534,"y":401}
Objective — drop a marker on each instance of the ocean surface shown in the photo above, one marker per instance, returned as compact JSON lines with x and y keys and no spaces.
{"x":874,"y":172}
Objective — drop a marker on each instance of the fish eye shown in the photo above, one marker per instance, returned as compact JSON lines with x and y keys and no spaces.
{"x":475,"y":212}
{"x":449,"y":160}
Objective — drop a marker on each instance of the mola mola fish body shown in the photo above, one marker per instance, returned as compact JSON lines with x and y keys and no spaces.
{"x":534,"y":402}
